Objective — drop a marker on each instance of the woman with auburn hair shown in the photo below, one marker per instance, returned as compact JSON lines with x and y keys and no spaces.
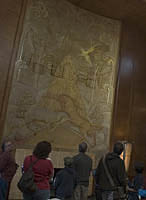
{"x":42,"y":169}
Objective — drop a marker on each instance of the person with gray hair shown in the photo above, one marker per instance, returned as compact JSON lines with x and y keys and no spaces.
{"x":65,"y":181}
{"x":82,"y":164}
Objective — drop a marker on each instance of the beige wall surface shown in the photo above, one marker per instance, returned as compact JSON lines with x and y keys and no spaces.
{"x":64,"y":77}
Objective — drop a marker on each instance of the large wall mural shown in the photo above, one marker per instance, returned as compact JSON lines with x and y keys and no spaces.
{"x":64,"y":77}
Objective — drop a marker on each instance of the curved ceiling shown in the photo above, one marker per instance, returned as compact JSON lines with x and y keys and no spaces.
{"x":129,"y":10}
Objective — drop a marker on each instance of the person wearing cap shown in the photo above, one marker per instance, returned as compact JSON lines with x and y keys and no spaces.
{"x":65,"y":181}
{"x":82,"y":164}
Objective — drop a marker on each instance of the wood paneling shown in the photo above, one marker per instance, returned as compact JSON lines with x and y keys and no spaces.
{"x":11,"y":18}
{"x":131,"y":10}
{"x":130,"y":99}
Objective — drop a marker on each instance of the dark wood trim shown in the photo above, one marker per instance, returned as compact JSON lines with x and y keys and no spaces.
{"x":128,"y":120}
{"x":115,"y":98}
{"x":5,"y":99}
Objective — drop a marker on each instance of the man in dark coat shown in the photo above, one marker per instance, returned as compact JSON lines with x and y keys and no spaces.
{"x":116,"y":169}
{"x":82,"y":164}
{"x":66,"y":181}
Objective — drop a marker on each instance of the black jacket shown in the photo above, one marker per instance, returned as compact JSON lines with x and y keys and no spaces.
{"x":65,"y":182}
{"x":116,"y":168}
{"x":82,"y":164}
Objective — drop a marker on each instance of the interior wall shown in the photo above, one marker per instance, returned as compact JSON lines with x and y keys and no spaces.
{"x":64,"y":77}
{"x":11,"y":15}
{"x":130,"y":99}
{"x":129,"y":110}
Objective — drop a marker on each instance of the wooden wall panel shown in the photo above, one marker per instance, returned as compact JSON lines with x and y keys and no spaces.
{"x":133,"y":10}
{"x":130,"y":99}
{"x":11,"y":20}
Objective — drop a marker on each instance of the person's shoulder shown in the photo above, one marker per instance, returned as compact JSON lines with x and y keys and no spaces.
{"x":48,"y":162}
{"x":88,"y":157}
{"x":5,"y":155}
{"x":82,"y":155}
{"x":28,"y":158}
{"x":60,"y":172}
{"x":76,"y":156}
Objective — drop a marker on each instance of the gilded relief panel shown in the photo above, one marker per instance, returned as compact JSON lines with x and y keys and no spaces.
{"x":64,"y":77}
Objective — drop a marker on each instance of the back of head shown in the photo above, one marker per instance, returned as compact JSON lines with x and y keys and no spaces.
{"x":68,"y":162}
{"x":42,"y":150}
{"x":118,"y":148}
{"x":83,"y":147}
{"x":139,"y":167}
